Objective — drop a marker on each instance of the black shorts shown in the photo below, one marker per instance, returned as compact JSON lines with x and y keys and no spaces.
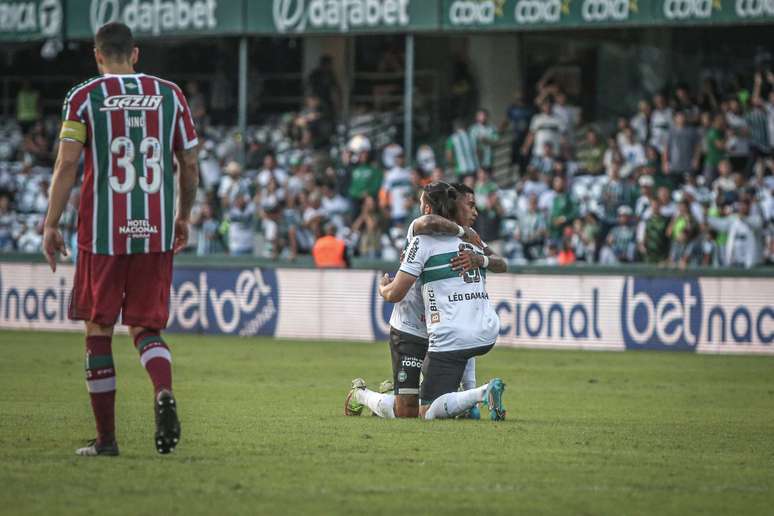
{"x":442,"y":371}
{"x":408,"y":351}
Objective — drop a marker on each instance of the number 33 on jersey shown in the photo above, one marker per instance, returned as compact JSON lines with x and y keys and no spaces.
{"x":131,"y":126}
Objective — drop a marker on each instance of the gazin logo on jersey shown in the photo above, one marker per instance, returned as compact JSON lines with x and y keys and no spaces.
{"x":134,"y":102}
{"x":661,"y":313}
{"x":45,"y":17}
{"x":155,"y":16}
{"x":341,"y":15}
{"x":607,"y":10}
{"x":754,"y":8}
{"x":475,"y":12}
{"x":685,"y":9}
{"x":541,"y":11}
{"x":237,"y":302}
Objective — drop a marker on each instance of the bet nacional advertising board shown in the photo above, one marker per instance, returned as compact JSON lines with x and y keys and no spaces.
{"x":595,"y":312}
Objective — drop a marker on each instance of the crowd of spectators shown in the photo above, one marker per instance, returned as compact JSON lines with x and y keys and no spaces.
{"x":687,"y":180}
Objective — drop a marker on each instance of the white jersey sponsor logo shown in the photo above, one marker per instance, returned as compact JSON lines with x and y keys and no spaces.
{"x":134,"y":102}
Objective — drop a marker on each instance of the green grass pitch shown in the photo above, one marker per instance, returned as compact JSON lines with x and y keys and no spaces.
{"x":263,"y":433}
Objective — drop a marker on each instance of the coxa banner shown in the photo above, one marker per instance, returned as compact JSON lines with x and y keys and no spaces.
{"x":156,"y":17}
{"x":704,"y":315}
{"x":25,"y":20}
{"x":341,"y":16}
{"x":541,"y":14}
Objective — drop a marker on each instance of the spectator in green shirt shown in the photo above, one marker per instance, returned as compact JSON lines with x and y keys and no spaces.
{"x":591,"y":154}
{"x":655,"y":245}
{"x":563,"y":210}
{"x":484,"y":136}
{"x":27,"y":106}
{"x":366,"y":181}
{"x":461,"y":155}
{"x":714,"y":147}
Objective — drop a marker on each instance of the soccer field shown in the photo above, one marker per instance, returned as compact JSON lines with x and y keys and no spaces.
{"x":263,"y":433}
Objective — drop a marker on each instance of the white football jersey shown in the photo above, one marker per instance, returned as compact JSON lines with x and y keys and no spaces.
{"x":408,"y":315}
{"x":457,"y":310}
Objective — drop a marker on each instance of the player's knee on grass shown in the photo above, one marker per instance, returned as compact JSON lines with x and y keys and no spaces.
{"x":406,"y":406}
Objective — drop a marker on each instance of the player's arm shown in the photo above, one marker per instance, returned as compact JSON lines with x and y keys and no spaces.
{"x":437,"y":225}
{"x":72,"y":138}
{"x":497,"y":264}
{"x":411,"y":266}
{"x":394,"y":290}
{"x":188,"y":183}
{"x":468,"y":260}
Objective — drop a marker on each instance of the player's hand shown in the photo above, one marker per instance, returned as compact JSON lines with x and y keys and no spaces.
{"x":472,"y":237}
{"x":53,"y":244}
{"x":466,"y":261}
{"x":181,"y":234}
{"x":386,"y":280}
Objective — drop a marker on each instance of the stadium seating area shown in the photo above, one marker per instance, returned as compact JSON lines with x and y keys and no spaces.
{"x":685,"y":181}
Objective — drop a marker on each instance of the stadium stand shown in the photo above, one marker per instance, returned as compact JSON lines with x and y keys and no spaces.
{"x":555,"y":190}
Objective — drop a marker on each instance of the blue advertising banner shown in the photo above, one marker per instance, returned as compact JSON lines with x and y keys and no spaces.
{"x":677,"y":313}
{"x":225,"y":301}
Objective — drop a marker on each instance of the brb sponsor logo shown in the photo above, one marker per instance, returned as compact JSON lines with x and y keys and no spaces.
{"x":44,"y":17}
{"x":340,"y":15}
{"x":754,"y":8}
{"x":690,"y":9}
{"x":134,"y":102}
{"x":607,"y":10}
{"x":530,"y":12}
{"x":235,"y":302}
{"x":661,"y":313}
{"x":155,"y":16}
{"x":475,"y":12}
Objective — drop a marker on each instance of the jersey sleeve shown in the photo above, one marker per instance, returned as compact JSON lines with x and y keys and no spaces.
{"x":73,"y":121}
{"x":416,"y":255}
{"x":185,"y":131}
{"x":410,"y":231}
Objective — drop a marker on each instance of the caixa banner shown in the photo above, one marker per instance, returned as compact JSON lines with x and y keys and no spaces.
{"x":680,"y":313}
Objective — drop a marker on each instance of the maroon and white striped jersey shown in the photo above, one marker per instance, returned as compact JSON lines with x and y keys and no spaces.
{"x":131,"y":126}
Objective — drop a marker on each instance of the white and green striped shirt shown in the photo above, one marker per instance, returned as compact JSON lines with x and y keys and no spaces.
{"x":464,"y":152}
{"x":457,"y":309}
{"x":483,"y":137}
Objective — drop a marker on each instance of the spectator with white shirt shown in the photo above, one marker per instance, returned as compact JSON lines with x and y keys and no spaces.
{"x":660,"y":122}
{"x":271,"y":170}
{"x":398,"y":187}
{"x":545,"y":128}
{"x":641,"y":121}
{"x":744,"y":245}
